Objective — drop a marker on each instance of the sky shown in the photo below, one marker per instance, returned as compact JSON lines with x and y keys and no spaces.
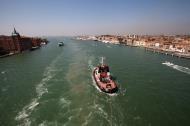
{"x":94,"y":17}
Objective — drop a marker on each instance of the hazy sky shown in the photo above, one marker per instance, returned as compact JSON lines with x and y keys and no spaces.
{"x":80,"y":17}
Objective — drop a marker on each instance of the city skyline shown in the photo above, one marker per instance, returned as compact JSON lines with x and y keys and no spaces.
{"x":90,"y":17}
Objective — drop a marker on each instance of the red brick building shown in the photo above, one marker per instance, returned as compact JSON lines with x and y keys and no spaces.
{"x":6,"y":42}
{"x":36,"y":42}
{"x":17,"y":43}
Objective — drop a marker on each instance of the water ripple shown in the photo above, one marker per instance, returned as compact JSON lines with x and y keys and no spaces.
{"x":177,"y":67}
{"x":41,"y":89}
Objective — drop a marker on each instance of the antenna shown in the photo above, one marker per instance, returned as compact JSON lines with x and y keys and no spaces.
{"x":102,"y":60}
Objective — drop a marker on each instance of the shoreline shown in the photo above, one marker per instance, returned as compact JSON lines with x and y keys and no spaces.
{"x":161,"y":51}
{"x":151,"y":49}
{"x":6,"y":55}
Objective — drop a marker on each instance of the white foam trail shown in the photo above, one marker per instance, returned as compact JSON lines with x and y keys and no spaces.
{"x":3,"y":72}
{"x":40,"y":90}
{"x":177,"y":67}
{"x":87,"y":119}
{"x":33,"y":105}
{"x":47,"y":123}
{"x":27,"y":110}
{"x":49,"y":73}
{"x":99,"y":109}
{"x":66,"y":114}
{"x":64,"y":102}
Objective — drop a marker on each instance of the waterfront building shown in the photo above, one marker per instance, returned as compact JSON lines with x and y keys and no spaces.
{"x":17,"y":43}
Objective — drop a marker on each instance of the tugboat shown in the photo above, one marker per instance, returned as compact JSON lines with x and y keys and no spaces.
{"x":61,"y":44}
{"x":103,"y":79}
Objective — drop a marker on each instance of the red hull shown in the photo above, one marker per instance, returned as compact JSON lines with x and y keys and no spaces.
{"x":108,"y":85}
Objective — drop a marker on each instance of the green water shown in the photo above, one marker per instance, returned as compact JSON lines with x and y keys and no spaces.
{"x":53,"y":86}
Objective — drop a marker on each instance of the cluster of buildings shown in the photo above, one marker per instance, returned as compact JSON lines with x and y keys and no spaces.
{"x":178,"y":44}
{"x":16,"y":43}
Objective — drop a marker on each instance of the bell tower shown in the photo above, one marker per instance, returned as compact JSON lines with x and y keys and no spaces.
{"x":16,"y":40}
{"x":15,"y":33}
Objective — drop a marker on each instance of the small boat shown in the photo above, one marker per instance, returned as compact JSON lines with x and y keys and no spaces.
{"x":61,"y":44}
{"x":104,"y":80}
{"x":34,"y":48}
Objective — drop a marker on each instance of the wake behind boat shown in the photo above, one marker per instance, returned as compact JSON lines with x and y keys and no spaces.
{"x":104,"y":80}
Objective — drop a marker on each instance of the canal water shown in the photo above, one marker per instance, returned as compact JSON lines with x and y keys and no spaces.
{"x":53,"y":86}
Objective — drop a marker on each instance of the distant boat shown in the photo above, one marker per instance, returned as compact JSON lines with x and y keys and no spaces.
{"x":34,"y":48}
{"x":43,"y":43}
{"x":104,"y":80}
{"x":61,"y":44}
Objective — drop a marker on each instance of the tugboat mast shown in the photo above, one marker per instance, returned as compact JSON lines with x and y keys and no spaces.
{"x":102,"y":60}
